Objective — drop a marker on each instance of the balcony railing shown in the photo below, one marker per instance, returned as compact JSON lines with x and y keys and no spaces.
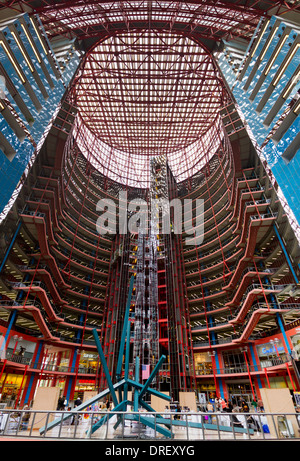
{"x":50,"y":367}
{"x":201,"y":370}
{"x":192,"y":426}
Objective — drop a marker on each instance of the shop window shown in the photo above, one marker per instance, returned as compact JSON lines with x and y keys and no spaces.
{"x":271,"y":354}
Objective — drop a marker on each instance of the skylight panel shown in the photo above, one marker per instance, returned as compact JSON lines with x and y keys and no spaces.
{"x":144,"y":94}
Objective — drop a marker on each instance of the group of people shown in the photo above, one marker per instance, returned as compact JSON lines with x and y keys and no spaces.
{"x":63,"y":402}
{"x":235,"y":406}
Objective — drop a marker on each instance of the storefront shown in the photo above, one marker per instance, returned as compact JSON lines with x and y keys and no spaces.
{"x":238,"y":391}
{"x":203,"y":363}
{"x":296,"y":343}
{"x":271,"y":353}
{"x":19,"y":350}
{"x":82,"y":386}
{"x":88,"y":362}
{"x":11,"y":386}
{"x":207,"y":390}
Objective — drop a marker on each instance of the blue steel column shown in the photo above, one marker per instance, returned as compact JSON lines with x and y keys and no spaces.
{"x":10,"y":245}
{"x":286,"y":254}
{"x":255,"y":364}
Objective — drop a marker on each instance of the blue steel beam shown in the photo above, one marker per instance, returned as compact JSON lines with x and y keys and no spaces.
{"x":109,"y":415}
{"x":150,"y":422}
{"x":10,"y":246}
{"x":136,"y":395}
{"x":213,"y":427}
{"x":127,"y":361}
{"x":81,"y":407}
{"x":123,"y":400}
{"x":183,"y":423}
{"x":152,"y":376}
{"x":150,"y":390}
{"x":123,"y":337}
{"x":105,"y":367}
{"x":285,"y":254}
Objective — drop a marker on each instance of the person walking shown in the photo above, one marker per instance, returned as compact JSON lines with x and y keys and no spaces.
{"x":61,"y":403}
{"x":245,"y":406}
{"x":76,"y":418}
{"x":77,"y":402}
{"x":223,"y":404}
{"x":210,"y":409}
{"x":25,"y":418}
{"x":178,"y":411}
{"x":254,"y":404}
{"x":260,"y":405}
{"x":229,"y":407}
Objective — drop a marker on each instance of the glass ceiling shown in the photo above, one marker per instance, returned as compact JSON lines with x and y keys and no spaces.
{"x":143,"y":94}
{"x":143,"y":90}
{"x":209,"y":18}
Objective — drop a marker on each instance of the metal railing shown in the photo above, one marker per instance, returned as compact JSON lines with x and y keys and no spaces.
{"x":243,"y":368}
{"x":72,"y":425}
{"x":51,"y":367}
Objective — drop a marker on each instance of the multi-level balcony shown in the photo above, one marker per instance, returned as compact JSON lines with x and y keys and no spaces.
{"x":64,"y":279}
{"x":243,"y":370}
{"x":64,"y":285}
{"x":226,"y":274}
